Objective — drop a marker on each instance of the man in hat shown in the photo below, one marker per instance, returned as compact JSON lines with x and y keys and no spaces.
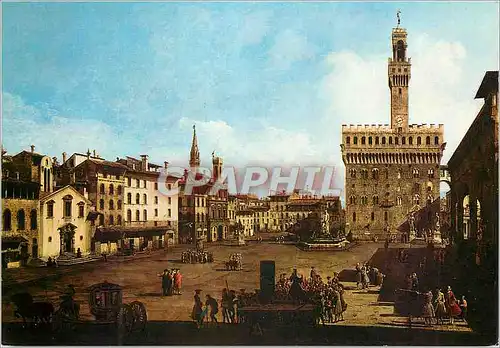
{"x":214,"y":308}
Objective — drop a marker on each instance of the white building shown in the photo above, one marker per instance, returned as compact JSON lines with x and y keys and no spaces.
{"x":63,"y":223}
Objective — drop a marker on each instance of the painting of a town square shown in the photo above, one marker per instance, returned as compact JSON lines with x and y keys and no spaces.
{"x":249,"y":173}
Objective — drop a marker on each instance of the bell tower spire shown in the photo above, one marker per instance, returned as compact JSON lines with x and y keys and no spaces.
{"x":194,"y":158}
{"x":399,"y":74}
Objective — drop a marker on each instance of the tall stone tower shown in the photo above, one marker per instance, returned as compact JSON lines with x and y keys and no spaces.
{"x":194,"y":156}
{"x":399,"y":74}
{"x":391,"y":170}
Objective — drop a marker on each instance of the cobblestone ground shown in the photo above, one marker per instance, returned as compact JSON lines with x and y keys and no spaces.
{"x":139,"y":280}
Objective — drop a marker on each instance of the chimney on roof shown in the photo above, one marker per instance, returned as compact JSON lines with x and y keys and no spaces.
{"x":165,"y":164}
{"x":64,"y":157}
{"x":94,"y":153}
{"x":88,"y":154}
{"x":32,"y":148}
{"x":144,"y":160}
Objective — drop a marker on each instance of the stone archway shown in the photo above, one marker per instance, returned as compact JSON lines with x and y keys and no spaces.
{"x":67,"y":238}
{"x":220,"y":232}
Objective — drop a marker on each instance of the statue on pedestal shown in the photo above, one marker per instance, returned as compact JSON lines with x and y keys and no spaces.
{"x":325,"y":224}
{"x":411,"y":221}
{"x":437,"y":230}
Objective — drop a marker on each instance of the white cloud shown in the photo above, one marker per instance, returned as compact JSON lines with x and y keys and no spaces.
{"x":265,"y":144}
{"x":290,"y":47}
{"x":23,"y":125}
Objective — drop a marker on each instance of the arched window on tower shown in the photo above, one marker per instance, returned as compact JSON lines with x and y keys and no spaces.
{"x":396,"y":140}
{"x":370,"y":141}
{"x":428,"y":140}
{"x":400,"y":51}
{"x":363,"y":140}
{"x":376,"y":140}
{"x":436,"y":140}
{"x":403,"y":141}
{"x":419,"y":141}
{"x":348,"y":140}
{"x":383,"y":140}
{"x":410,"y":141}
{"x":355,"y":141}
{"x":390,"y":140}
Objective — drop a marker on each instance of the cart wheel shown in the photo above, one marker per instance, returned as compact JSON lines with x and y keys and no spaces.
{"x":124,"y":321}
{"x":140,"y":315}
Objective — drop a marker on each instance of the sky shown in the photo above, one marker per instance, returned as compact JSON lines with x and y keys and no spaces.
{"x":268,"y":83}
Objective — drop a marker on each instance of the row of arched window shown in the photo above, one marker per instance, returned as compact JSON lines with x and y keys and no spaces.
{"x":375,"y":173}
{"x":375,"y":200}
{"x":111,"y":189}
{"x":138,"y":198}
{"x":137,"y":215}
{"x":372,"y":217}
{"x":389,"y":140}
{"x":138,"y":183}
{"x":21,"y":220}
{"x":111,"y":204}
{"x":111,"y":220}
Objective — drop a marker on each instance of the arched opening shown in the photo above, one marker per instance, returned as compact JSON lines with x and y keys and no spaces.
{"x":21,"y":220}
{"x":102,"y":191}
{"x":129,"y":215}
{"x":419,"y":141}
{"x":7,"y":220}
{"x":354,"y":217}
{"x":348,"y":140}
{"x":137,"y":215}
{"x":400,"y":51}
{"x":33,"y":219}
{"x":436,"y":140}
{"x":129,"y":198}
{"x":355,"y":141}
{"x":111,"y":220}
{"x":466,"y":217}
{"x":220,"y":233}
{"x":428,"y":140}
{"x":370,"y":141}
{"x":111,"y":189}
{"x":363,"y":141}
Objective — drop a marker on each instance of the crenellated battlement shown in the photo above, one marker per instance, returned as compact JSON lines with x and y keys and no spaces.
{"x":385,"y":128}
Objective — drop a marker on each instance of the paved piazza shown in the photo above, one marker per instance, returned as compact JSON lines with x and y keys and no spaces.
{"x":140,"y":281}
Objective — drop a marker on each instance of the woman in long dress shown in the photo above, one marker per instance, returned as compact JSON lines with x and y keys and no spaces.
{"x":440,"y":308}
{"x":452,"y":305}
{"x":428,"y":308}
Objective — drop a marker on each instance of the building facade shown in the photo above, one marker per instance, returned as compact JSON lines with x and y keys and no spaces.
{"x":392,"y":169}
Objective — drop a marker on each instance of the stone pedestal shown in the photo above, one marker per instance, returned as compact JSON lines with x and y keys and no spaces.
{"x":437,"y":237}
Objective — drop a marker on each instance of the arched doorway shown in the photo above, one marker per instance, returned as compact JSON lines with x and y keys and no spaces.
{"x":67,"y":237}
{"x":220,"y":232}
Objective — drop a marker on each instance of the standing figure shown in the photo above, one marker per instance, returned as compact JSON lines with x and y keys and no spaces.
{"x":225,"y":306}
{"x":463,"y":307}
{"x":440,"y":308}
{"x":452,"y":305}
{"x":428,"y":310}
{"x":365,"y":280}
{"x":170,"y":283}
{"x":231,"y":306}
{"x":196,"y":313}
{"x":214,"y":308}
{"x":359,"y":277}
{"x":164,"y":282}
{"x":337,"y":305}
{"x":178,"y":281}
{"x":414,"y":282}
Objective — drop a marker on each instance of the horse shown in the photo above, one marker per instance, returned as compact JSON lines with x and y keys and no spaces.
{"x":35,"y":311}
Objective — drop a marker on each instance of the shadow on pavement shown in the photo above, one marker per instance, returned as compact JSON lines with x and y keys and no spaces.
{"x":186,"y":333}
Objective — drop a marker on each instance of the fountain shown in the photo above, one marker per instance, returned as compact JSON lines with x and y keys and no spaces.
{"x":322,"y":238}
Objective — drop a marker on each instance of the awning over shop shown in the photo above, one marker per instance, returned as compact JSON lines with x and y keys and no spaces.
{"x":113,"y":234}
{"x":12,"y":242}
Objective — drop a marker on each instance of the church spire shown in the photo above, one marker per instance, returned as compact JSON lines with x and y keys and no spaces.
{"x":194,"y":158}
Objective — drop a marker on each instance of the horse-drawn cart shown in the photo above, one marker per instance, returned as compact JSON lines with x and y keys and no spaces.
{"x":105,"y":301}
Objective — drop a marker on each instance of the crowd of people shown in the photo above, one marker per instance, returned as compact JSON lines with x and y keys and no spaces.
{"x":196,"y":256}
{"x":328,"y":296}
{"x":171,"y":282}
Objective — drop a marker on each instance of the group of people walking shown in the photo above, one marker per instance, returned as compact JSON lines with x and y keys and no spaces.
{"x":230,"y":302}
{"x":445,"y":305}
{"x":171,"y":282}
{"x":196,"y":256}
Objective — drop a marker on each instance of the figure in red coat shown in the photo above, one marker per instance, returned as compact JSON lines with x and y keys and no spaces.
{"x":452,"y":305}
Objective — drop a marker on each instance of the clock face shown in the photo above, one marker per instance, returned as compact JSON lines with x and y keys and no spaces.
{"x":399,"y":121}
